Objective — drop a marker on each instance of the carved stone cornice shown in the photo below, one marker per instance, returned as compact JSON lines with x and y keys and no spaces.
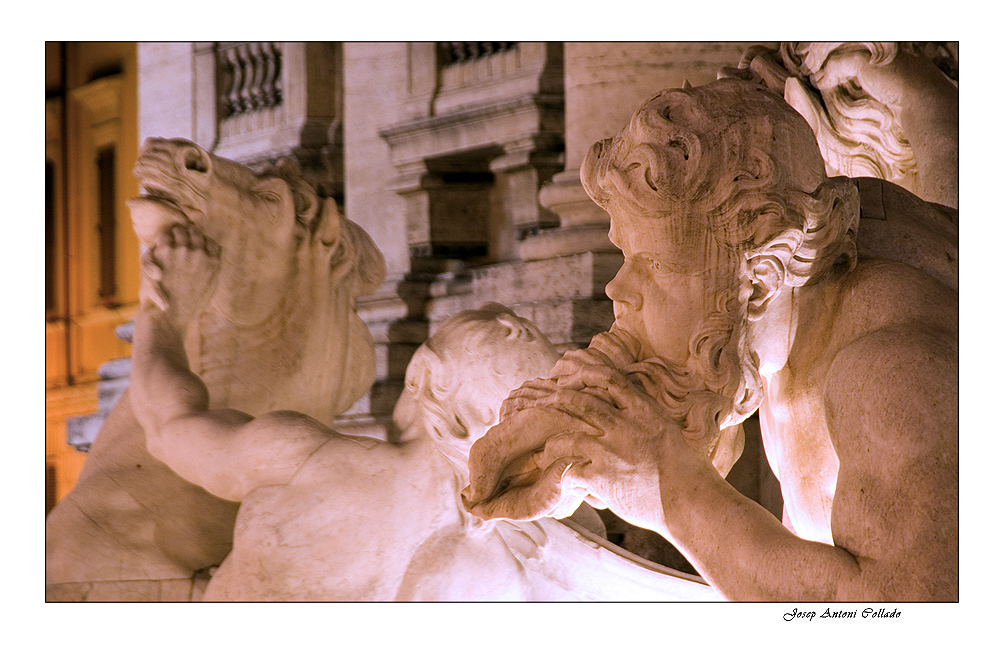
{"x":533,"y":118}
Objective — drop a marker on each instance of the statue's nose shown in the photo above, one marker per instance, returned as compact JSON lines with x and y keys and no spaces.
{"x":184,"y":153}
{"x":623,"y":288}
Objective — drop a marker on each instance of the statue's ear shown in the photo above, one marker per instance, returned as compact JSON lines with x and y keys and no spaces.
{"x":307,"y":202}
{"x":767,"y":270}
{"x":767,"y":277}
{"x":328,"y":223}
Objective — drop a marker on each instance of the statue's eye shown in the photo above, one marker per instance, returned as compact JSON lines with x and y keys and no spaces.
{"x":655,"y":266}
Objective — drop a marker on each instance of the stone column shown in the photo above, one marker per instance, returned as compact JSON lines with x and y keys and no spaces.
{"x":167,"y":91}
{"x":524,"y":166}
{"x":375,"y":79}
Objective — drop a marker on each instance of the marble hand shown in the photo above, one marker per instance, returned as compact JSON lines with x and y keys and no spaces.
{"x":525,"y":396}
{"x":572,"y":361}
{"x":180,"y":272}
{"x":892,"y":83}
{"x":637,"y":450}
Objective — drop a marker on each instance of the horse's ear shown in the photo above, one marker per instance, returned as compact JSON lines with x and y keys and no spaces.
{"x":308,"y":205}
{"x":328,"y":223}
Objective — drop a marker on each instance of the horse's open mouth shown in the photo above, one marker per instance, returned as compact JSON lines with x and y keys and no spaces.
{"x":154,"y":211}
{"x":159,"y":193}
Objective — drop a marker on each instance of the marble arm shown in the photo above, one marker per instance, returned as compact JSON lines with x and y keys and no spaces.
{"x":891,"y":409}
{"x":647,"y":473}
{"x":743,"y":551}
{"x":227,"y":452}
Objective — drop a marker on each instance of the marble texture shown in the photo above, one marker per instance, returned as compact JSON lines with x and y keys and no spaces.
{"x":282,"y":329}
{"x":881,"y":110}
{"x":750,"y":269}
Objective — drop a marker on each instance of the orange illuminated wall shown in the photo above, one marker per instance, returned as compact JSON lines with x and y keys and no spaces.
{"x":92,"y":254}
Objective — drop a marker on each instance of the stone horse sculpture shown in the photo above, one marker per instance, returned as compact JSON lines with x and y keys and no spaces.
{"x":281,"y":329}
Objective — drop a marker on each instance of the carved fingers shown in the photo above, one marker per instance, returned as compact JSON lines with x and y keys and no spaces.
{"x":612,"y":385}
{"x":888,"y":81}
{"x":525,"y":396}
{"x":573,"y":360}
{"x":606,"y":471}
{"x":149,"y":281}
{"x":588,"y":437}
{"x":180,"y":271}
{"x":840,"y":68}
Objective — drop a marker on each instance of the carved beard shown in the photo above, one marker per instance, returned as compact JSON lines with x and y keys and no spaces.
{"x":720,"y":355}
{"x":714,"y":390}
{"x":708,"y":396}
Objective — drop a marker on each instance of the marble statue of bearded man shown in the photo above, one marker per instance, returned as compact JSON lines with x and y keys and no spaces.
{"x":742,"y":266}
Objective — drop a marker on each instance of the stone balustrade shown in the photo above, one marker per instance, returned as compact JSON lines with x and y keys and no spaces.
{"x":250,"y":77}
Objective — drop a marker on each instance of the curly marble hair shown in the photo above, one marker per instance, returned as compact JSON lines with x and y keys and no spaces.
{"x":732,"y":158}
{"x":491,"y":348}
{"x":730,"y":163}
{"x":859,"y":136}
{"x":354,"y":257}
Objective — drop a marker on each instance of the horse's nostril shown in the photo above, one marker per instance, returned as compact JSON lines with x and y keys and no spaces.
{"x":194,"y":161}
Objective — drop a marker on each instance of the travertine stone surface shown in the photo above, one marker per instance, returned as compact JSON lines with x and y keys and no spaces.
{"x":282,"y":329}
{"x":747,"y":274}
{"x":882,"y":110}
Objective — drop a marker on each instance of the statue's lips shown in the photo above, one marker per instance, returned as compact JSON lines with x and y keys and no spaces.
{"x":153,"y":213}
{"x":157,"y":209}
